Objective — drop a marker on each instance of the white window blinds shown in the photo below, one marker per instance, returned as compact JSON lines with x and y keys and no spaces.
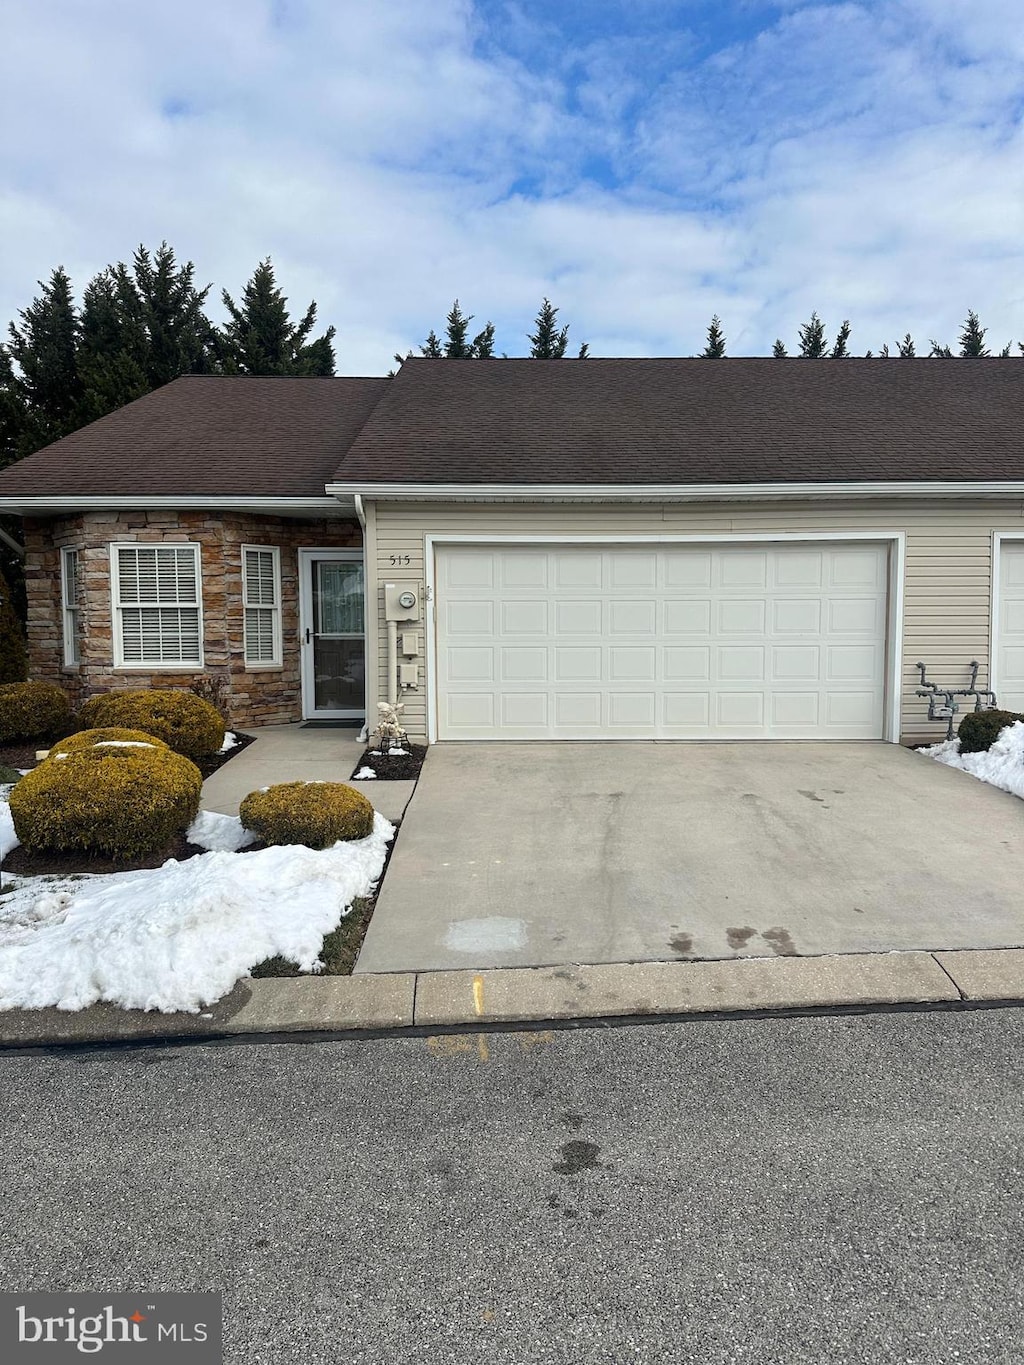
{"x":157,"y":602}
{"x":261,"y":592}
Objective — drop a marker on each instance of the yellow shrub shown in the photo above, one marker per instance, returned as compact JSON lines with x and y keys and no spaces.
{"x":30,"y":710}
{"x":118,"y":803}
{"x":185,"y":722}
{"x":111,"y":735}
{"x":316,"y":814}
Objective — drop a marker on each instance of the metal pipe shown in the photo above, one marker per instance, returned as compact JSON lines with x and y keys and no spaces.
{"x":393,"y":662}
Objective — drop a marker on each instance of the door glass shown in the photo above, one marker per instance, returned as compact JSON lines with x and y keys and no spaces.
{"x":338,"y":646}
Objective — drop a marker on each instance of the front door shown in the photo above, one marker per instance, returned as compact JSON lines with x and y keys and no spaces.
{"x":332,"y":622}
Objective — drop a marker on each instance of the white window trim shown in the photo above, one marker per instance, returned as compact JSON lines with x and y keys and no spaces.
{"x":70,"y":611}
{"x":184,"y":665}
{"x":263,"y":665}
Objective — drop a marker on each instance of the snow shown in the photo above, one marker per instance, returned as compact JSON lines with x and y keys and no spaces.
{"x":364,"y":775}
{"x":230,"y":740}
{"x":1001,"y":766}
{"x":397,"y":753}
{"x":119,"y":744}
{"x":177,"y":937}
{"x":8,"y":839}
{"x":219,"y":833}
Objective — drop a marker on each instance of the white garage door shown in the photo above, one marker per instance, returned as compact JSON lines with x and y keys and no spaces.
{"x":671,"y":642}
{"x":1009,"y":669}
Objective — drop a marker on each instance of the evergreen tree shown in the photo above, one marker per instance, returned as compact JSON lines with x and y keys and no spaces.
{"x":114,"y":346}
{"x":457,"y":344}
{"x":715,"y":347}
{"x":261,"y":339}
{"x":972,"y":338}
{"x":1005,"y":353}
{"x":13,"y":657}
{"x":482,"y":345}
{"x":584,"y":352}
{"x":12,"y":412}
{"x":883,"y":354}
{"x":812,"y":339}
{"x":840,"y":350}
{"x":548,"y":342}
{"x":906,"y":347}
{"x":431,"y":348}
{"x":939,"y":351}
{"x":45,"y":350}
{"x":165,"y":301}
{"x":779,"y":351}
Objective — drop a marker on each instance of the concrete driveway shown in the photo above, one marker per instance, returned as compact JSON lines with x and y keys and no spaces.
{"x":546,"y":854}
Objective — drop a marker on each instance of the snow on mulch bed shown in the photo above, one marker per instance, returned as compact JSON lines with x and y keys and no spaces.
{"x":1000,"y":766}
{"x":177,"y":937}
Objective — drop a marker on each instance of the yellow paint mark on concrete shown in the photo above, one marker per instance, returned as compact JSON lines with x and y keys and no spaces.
{"x":529,"y":1040}
{"x":481,"y":1047}
{"x":478,"y":995}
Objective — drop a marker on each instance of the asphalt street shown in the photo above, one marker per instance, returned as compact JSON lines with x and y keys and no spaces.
{"x":832,"y":1189}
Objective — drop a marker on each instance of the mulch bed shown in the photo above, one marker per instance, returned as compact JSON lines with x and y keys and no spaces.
{"x":21,"y":863}
{"x":24,"y":755}
{"x":396,"y":768}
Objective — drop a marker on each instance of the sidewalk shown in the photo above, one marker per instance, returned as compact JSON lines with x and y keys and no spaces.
{"x":296,"y":753}
{"x":299,"y":1006}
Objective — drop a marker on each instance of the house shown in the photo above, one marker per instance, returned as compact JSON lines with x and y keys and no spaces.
{"x":521,"y":549}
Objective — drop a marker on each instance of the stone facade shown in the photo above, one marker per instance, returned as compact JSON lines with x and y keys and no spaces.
{"x":253,"y":696}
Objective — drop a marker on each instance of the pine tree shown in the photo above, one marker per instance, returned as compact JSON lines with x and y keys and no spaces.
{"x":939,"y":351}
{"x":457,"y":344}
{"x":482,"y":345}
{"x":906,"y":347}
{"x":114,"y":345}
{"x":179,"y":337}
{"x":779,"y":351}
{"x":812,"y":339}
{"x":584,"y":351}
{"x":715,"y":347}
{"x":883,"y":354}
{"x":548,"y":342}
{"x":261,"y":339}
{"x":45,"y":350}
{"x":972,"y":338}
{"x":431,"y":348}
{"x":1007,"y":350}
{"x":13,"y":414}
{"x":840,"y":350}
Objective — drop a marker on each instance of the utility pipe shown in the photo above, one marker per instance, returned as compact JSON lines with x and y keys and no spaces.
{"x":393,"y":662}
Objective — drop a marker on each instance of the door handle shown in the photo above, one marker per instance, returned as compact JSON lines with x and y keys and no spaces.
{"x":307,"y":635}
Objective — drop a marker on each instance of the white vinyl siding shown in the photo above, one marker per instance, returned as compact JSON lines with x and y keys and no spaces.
{"x":261,"y":594}
{"x":69,"y":587}
{"x":737,"y":641}
{"x":157,"y":605}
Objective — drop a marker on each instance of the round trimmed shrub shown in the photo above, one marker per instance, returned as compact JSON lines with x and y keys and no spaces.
{"x":979,"y":730}
{"x":316,"y":814}
{"x":112,"y":736}
{"x":118,"y":803}
{"x":32,"y":710}
{"x":185,"y":722}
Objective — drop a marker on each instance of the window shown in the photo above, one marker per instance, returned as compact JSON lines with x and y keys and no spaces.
{"x":261,"y":594}
{"x":157,"y":616}
{"x":69,"y":589}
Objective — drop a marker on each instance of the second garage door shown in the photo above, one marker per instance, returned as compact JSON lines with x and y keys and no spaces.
{"x":661,"y":642}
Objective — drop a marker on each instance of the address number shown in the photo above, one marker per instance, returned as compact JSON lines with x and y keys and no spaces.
{"x":402,"y":560}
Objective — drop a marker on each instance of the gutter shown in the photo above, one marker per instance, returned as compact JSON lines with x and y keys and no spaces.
{"x":703,"y":492}
{"x":143,"y":502}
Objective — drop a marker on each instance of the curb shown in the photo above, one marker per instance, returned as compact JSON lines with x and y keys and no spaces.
{"x":370,"y":1003}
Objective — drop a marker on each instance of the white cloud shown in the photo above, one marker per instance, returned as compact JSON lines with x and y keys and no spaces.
{"x":863,"y":159}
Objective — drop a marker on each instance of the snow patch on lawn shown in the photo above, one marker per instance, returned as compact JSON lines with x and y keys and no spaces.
{"x":8,"y":839}
{"x":177,"y":937}
{"x":1000,"y":766}
{"x":219,"y":833}
{"x":396,"y":753}
{"x":230,"y":740}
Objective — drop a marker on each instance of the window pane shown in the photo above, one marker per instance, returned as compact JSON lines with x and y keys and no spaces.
{"x":338,"y":597}
{"x":154,"y":635}
{"x":157,"y":574}
{"x":259,"y":635}
{"x":259,"y":578}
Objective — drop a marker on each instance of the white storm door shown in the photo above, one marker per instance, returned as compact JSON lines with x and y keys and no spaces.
{"x":589,"y":641}
{"x":332,"y":634}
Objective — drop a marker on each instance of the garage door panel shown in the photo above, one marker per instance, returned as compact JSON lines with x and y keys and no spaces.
{"x":681,"y":642}
{"x":1009,"y":625}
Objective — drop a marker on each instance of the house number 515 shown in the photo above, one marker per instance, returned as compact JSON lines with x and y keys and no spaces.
{"x":401,"y":559}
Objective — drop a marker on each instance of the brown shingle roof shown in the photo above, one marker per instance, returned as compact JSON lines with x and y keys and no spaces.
{"x":207,"y":436}
{"x":693,"y":421}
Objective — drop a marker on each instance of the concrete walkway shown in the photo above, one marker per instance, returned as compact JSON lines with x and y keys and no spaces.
{"x":282,"y":1007}
{"x":294,"y":753}
{"x":526,"y":855}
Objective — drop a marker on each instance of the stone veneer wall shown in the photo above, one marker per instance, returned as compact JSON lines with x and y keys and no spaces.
{"x":263,"y":696}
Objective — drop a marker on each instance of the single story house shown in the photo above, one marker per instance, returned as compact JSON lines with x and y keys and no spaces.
{"x":529,"y":550}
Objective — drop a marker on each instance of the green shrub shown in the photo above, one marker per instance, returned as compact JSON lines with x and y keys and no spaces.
{"x":316,"y":814}
{"x":110,"y":735}
{"x":32,"y":710}
{"x":118,"y":803}
{"x":8,"y":776}
{"x":13,"y":656}
{"x":185,"y":722}
{"x":980,"y":729}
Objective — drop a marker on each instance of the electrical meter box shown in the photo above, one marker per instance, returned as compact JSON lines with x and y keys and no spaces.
{"x":401,"y":602}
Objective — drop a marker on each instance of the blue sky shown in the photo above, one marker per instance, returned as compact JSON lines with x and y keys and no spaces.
{"x":643,"y":163}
